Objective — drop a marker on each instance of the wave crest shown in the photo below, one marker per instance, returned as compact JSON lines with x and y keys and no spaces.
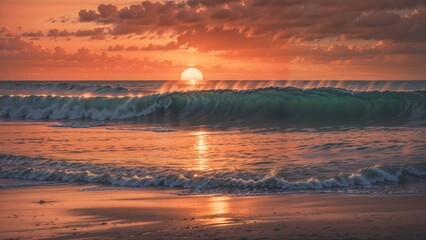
{"x":68,"y":88}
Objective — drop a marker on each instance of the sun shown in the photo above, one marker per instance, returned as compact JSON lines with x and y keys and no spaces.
{"x":192,"y":75}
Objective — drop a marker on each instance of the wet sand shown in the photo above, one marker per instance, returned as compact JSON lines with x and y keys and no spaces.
{"x":68,"y":212}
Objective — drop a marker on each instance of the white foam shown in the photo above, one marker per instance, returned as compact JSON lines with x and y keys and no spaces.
{"x":48,"y":170}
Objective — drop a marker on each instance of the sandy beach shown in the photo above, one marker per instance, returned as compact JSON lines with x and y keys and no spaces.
{"x":71,"y":212}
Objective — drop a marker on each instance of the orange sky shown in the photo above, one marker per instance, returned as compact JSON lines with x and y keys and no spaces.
{"x":225,"y":39}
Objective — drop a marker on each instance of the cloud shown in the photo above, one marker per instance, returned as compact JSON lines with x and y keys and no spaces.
{"x":283,"y":20}
{"x":58,"y":33}
{"x":62,"y":19}
{"x":377,"y":19}
{"x":116,"y":48}
{"x":87,"y":16}
{"x":32,"y":34}
{"x":132,"y":48}
{"x":17,"y":54}
{"x":107,"y":11}
{"x":96,"y":33}
{"x":17,"y":44}
{"x":92,"y":32}
{"x":7,"y":32}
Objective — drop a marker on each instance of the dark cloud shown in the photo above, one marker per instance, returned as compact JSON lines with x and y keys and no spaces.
{"x":221,"y":14}
{"x":107,"y":11}
{"x":96,"y":33}
{"x":17,"y":44}
{"x":377,"y":19}
{"x":209,"y":3}
{"x":132,"y":48}
{"x":169,"y":46}
{"x":32,"y":34}
{"x":117,"y":47}
{"x":62,"y":19}
{"x":88,"y":15}
{"x":58,"y":33}
{"x":92,"y":32}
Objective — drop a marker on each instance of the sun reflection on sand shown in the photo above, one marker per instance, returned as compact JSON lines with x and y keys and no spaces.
{"x":219,"y":207}
{"x":201,"y":148}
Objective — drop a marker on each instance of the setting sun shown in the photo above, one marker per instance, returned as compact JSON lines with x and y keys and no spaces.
{"x":192,"y":75}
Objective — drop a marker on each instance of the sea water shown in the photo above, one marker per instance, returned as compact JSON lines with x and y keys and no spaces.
{"x":227,"y":137}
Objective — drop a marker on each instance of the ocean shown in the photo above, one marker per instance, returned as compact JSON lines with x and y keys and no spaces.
{"x":216,"y":137}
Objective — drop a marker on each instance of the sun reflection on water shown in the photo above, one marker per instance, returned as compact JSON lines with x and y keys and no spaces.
{"x":201,"y":148}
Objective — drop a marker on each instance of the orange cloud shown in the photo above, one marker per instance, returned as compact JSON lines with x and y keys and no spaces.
{"x":17,"y":54}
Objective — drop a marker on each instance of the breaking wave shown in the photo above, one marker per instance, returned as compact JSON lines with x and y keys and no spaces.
{"x":14,"y":167}
{"x":69,"y":88}
{"x":276,"y":106}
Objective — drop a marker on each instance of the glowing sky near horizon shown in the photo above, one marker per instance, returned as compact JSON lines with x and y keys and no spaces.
{"x":225,"y":39}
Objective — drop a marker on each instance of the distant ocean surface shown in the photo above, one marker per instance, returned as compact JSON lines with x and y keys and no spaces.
{"x":224,"y":137}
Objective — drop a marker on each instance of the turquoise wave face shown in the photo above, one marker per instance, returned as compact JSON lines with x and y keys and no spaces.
{"x":261,"y":107}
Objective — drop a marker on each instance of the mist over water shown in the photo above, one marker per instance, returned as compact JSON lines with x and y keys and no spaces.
{"x":142,"y":88}
{"x":238,"y":137}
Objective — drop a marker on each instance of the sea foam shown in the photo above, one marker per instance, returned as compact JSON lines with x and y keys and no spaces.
{"x":14,"y":167}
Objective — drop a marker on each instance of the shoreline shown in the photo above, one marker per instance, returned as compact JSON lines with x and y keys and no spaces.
{"x":66,"y":212}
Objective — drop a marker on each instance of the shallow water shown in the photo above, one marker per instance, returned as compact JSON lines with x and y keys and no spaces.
{"x":362,"y":137}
